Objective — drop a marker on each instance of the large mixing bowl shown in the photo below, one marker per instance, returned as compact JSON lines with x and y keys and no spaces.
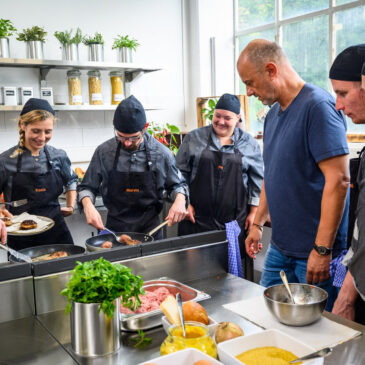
{"x":312,"y":301}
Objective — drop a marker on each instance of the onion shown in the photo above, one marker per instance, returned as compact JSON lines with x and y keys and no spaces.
{"x":226,"y":331}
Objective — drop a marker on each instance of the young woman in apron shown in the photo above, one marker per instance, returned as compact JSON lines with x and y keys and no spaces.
{"x":38,"y":173}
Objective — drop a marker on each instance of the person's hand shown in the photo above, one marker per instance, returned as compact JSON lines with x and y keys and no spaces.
{"x":66,"y":211}
{"x":252,"y":242}
{"x":177,"y":211}
{"x":3,"y":232}
{"x":92,"y":215}
{"x":344,"y":308}
{"x":191,"y":214}
{"x":5,"y":213}
{"x":249,"y":221}
{"x":318,"y":267}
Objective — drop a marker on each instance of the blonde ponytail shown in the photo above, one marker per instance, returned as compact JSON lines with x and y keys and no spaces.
{"x":26,"y":119}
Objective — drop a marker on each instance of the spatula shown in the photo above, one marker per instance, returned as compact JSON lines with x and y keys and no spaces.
{"x":16,"y":203}
{"x":16,"y":254}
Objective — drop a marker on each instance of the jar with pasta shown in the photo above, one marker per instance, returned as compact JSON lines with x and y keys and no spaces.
{"x":95,"y":96}
{"x":116,"y":83}
{"x":74,"y":87}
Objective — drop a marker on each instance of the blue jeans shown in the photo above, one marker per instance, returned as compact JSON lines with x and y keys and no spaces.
{"x":296,"y":271}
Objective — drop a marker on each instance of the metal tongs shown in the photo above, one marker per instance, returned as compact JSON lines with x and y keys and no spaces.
{"x":16,"y":254}
{"x":16,"y":203}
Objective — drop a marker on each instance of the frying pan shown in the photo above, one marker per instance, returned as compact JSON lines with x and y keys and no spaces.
{"x":94,"y":243}
{"x":36,"y":251}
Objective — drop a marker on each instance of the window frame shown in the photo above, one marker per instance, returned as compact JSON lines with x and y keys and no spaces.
{"x":278,"y":24}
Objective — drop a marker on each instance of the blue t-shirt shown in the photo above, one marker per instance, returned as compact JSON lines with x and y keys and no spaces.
{"x":295,"y":141}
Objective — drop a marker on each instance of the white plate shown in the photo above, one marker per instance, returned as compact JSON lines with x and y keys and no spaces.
{"x":227,"y":350}
{"x":183,"y":357}
{"x":211,"y":325}
{"x":31,"y":232}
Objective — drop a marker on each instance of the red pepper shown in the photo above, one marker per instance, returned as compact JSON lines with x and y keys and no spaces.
{"x":164,"y":132}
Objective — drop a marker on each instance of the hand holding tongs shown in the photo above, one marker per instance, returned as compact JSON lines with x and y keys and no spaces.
{"x":16,"y":203}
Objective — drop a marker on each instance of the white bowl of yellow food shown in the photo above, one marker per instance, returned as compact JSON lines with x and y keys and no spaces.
{"x":270,"y":347}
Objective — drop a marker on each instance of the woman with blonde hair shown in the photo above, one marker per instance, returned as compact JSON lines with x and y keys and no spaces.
{"x":37,"y":172}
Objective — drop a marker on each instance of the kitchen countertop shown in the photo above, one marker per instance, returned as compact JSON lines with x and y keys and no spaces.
{"x":40,"y":345}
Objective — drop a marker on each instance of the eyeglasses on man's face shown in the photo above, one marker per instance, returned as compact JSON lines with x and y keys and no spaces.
{"x":130,"y":139}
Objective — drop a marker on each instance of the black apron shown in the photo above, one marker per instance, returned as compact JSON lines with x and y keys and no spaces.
{"x":42,"y":192}
{"x":133,"y":201}
{"x":217,"y":193}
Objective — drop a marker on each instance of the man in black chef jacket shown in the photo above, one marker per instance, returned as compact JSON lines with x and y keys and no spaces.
{"x":131,"y":172}
{"x":345,"y":75}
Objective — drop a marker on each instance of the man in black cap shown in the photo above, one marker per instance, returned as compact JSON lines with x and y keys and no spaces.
{"x":131,"y":172}
{"x":223,"y":167}
{"x":345,"y":75}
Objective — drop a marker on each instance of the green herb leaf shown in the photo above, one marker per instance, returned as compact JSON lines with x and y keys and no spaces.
{"x":97,"y":39}
{"x":142,"y":340}
{"x":125,"y":41}
{"x":32,"y":34}
{"x":99,"y":281}
{"x":6,"y":28}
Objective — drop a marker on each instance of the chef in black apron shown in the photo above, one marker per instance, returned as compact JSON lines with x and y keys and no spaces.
{"x":38,"y":173}
{"x":131,"y":171}
{"x":228,"y":172}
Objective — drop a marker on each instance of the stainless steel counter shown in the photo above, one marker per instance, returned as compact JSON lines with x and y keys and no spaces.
{"x":223,"y":289}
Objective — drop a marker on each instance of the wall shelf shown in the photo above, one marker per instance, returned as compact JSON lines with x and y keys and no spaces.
{"x":131,"y":70}
{"x":16,"y":108}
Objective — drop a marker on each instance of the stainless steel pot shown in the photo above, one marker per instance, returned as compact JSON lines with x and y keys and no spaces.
{"x":70,"y":52}
{"x":96,"y":52}
{"x":92,"y":333}
{"x":124,"y":54}
{"x":4,"y":48}
{"x":35,"y":49}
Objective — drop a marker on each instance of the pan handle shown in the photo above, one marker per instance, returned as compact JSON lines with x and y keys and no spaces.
{"x":150,"y":233}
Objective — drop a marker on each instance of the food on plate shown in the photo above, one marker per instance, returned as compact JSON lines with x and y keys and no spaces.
{"x":149,"y":302}
{"x":107,"y":244}
{"x":193,"y":311}
{"x":7,"y":221}
{"x":50,"y":256}
{"x":202,"y":362}
{"x":266,"y":356}
{"x":28,"y":224}
{"x":79,"y":172}
{"x":226,"y":331}
{"x":170,"y":309}
{"x":128,"y":240}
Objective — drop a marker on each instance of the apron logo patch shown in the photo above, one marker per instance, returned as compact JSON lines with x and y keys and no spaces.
{"x":40,"y":190}
{"x":132,"y":190}
{"x":220,"y":167}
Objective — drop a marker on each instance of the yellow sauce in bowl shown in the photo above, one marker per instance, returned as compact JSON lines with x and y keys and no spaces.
{"x":266,"y":356}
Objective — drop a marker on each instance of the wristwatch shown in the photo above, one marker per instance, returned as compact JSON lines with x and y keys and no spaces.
{"x":322,"y":250}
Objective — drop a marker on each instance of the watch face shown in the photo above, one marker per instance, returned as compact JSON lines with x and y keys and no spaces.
{"x":322,"y":250}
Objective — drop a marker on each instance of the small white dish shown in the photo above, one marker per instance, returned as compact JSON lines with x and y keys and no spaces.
{"x":211,"y":325}
{"x":183,"y":357}
{"x":228,"y":350}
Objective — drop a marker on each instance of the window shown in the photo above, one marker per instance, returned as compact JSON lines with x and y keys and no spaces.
{"x":303,"y":29}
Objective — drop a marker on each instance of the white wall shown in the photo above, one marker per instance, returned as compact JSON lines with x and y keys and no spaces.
{"x":174,"y":35}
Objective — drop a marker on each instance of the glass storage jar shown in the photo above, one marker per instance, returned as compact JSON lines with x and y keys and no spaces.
{"x":95,"y":96}
{"x":116,"y":83}
{"x":197,"y":336}
{"x":74,"y":87}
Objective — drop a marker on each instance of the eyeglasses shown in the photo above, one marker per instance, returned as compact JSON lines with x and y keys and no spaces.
{"x":130,"y":139}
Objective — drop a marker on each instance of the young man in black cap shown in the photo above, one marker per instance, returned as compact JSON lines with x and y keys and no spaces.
{"x":345,"y":75}
{"x":131,"y":172}
{"x":223,"y":167}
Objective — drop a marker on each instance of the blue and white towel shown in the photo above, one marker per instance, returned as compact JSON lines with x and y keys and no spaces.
{"x":234,"y":256}
{"x":338,"y":270}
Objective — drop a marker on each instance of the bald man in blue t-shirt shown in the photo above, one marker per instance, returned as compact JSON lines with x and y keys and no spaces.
{"x":306,"y":177}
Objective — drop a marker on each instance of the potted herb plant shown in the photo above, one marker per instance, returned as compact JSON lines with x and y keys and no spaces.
{"x":125,"y":47}
{"x":208,"y":112}
{"x":96,"y":47}
{"x":165,"y":134}
{"x":93,"y":294}
{"x":6,"y":30}
{"x":70,"y":44}
{"x":34,"y":38}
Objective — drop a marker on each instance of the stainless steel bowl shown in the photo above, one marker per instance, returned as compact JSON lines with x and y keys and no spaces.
{"x":312,"y":301}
